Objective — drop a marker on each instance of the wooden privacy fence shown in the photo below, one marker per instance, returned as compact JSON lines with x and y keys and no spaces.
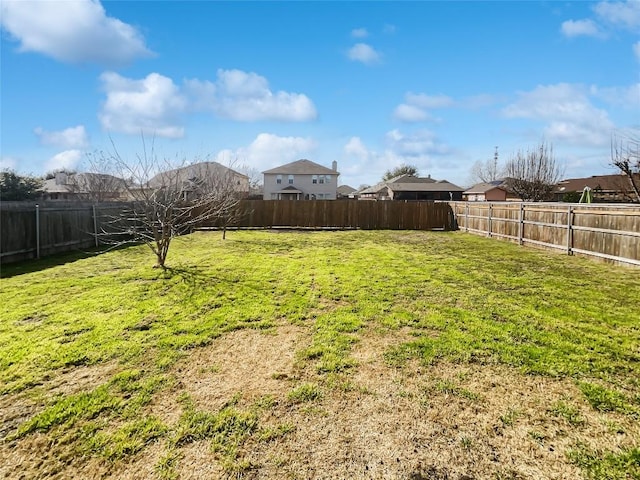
{"x":31,"y":230}
{"x":344,"y":214}
{"x":610,"y":231}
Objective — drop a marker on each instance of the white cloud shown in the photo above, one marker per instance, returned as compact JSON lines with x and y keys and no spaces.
{"x":356,"y":148}
{"x":417,"y":144}
{"x":569,"y":114}
{"x":246,"y":97}
{"x":155,"y":104}
{"x":421,"y":148}
{"x":70,"y":138}
{"x":626,"y":97}
{"x":416,"y":105}
{"x":359,"y":33}
{"x":361,"y":52}
{"x":68,"y":159}
{"x":636,"y":50}
{"x":410,"y":113}
{"x":620,"y":14}
{"x":151,"y":105}
{"x":268,"y":151}
{"x":8,"y":163}
{"x":77,"y":31}
{"x":575,"y":28}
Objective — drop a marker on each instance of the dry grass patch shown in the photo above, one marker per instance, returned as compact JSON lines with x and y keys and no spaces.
{"x":405,"y":355}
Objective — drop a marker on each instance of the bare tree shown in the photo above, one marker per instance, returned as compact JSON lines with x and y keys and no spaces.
{"x":97,"y":187}
{"x":487,"y":171}
{"x":165,"y":201}
{"x":625,"y":155}
{"x":532,"y":175}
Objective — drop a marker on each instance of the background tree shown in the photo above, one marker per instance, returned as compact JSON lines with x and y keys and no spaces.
{"x":625,"y":155}
{"x":532,"y":175}
{"x":487,"y":171}
{"x":166,"y":201}
{"x":51,"y":174}
{"x":14,"y":187}
{"x":403,"y":169}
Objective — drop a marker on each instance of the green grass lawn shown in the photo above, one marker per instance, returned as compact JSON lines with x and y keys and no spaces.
{"x":451,"y":298}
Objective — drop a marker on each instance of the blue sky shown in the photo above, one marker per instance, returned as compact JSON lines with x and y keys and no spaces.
{"x":371,"y":85}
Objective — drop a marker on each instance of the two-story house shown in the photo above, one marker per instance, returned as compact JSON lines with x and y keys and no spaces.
{"x":301,"y":180}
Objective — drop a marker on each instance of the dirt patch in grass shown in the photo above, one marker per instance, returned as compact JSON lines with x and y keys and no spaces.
{"x":18,"y":407}
{"x":81,"y":378}
{"x":443,"y":421}
{"x":246,"y":364}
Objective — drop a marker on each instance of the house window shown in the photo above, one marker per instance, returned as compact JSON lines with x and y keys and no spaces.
{"x":314,"y":179}
{"x":290,"y":179}
{"x":279,"y":179}
{"x":328,"y":178}
{"x":321,"y":178}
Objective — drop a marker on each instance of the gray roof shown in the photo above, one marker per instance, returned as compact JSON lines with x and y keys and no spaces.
{"x":484,"y":188}
{"x":410,"y":179}
{"x":345,"y":190}
{"x":301,"y":167}
{"x":83,"y":182}
{"x":435,"y":186}
{"x":374,"y":189}
{"x":196,"y":171}
{"x":290,"y":189}
{"x":403,"y":183}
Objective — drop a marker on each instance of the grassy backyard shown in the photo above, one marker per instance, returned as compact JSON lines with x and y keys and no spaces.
{"x":361,"y":354}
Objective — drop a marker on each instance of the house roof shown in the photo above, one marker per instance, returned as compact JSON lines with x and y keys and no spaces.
{"x":614,"y":183}
{"x":290,"y":189}
{"x":434,"y":186}
{"x":345,"y":190}
{"x":484,"y":188}
{"x":301,"y":167}
{"x":83,"y":182}
{"x":410,"y":179}
{"x":408,"y":183}
{"x":374,"y":189}
{"x":187,"y":173}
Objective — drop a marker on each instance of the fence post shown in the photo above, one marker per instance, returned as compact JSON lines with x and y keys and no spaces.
{"x":466,"y":217}
{"x":38,"y":231}
{"x":95,"y":224}
{"x":489,"y":221}
{"x":521,"y":224}
{"x":570,"y":231}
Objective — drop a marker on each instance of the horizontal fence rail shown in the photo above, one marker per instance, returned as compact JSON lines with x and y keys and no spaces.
{"x":33,"y":230}
{"x":610,"y":232}
{"x":344,"y":214}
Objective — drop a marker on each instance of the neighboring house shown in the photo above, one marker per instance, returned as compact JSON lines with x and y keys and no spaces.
{"x":98,"y":187}
{"x":301,"y":180}
{"x":605,"y":188}
{"x":346,"y":191}
{"x":407,"y":187}
{"x":208,"y":175}
{"x":486,"y":192}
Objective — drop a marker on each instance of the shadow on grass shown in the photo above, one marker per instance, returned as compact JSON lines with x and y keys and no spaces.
{"x":35,"y":265}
